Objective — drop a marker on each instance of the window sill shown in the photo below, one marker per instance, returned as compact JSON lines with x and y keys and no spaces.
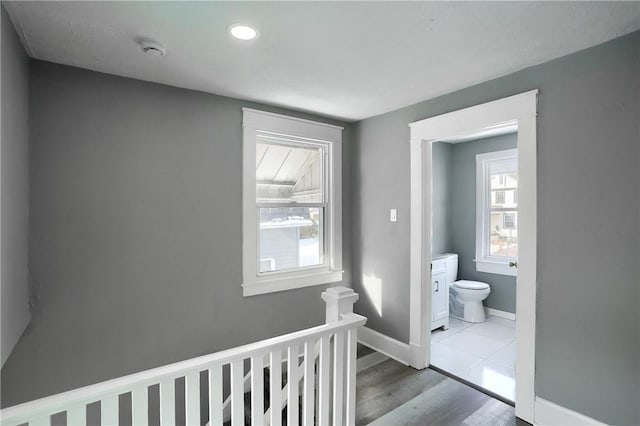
{"x":496,"y":267}
{"x":275,"y":284}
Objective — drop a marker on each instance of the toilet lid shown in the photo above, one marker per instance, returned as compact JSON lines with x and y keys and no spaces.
{"x":471,"y":285}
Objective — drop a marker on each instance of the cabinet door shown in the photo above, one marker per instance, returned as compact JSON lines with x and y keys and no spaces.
{"x":440,"y":299}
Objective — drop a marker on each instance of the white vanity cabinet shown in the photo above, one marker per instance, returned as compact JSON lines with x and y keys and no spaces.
{"x":439,"y":294}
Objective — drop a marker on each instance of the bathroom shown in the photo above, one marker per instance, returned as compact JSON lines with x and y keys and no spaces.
{"x":475,"y":217}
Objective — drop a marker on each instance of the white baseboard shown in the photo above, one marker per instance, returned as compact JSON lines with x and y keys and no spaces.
{"x":384,"y":344}
{"x":500,"y":314}
{"x":548,"y":413}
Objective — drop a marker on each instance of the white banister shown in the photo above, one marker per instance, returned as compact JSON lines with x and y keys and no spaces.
{"x":324,"y":385}
{"x":339,"y":301}
{"x":275,"y":388}
{"x":109,"y":411}
{"x":308,"y":393}
{"x":192,"y":398}
{"x":322,"y":391}
{"x":77,"y":416}
{"x":140,"y":405}
{"x":352,"y":344}
{"x":167,"y":402}
{"x":257,"y":391}
{"x":292,"y":383}
{"x":215,"y":395}
{"x":42,"y":421}
{"x":338,"y":379}
{"x":237,"y":393}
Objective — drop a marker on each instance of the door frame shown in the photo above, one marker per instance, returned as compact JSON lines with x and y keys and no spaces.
{"x":519,"y":109}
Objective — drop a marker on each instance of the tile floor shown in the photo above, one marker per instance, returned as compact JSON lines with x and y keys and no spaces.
{"x":484,"y":353}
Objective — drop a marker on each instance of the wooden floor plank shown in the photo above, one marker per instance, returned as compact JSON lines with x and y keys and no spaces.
{"x":491,"y":413}
{"x":388,"y":385}
{"x":448,"y":403}
{"x":370,"y":360}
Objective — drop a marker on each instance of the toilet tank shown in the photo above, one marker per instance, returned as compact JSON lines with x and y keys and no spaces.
{"x":452,"y":267}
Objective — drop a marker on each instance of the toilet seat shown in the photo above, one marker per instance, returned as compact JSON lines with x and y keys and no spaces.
{"x":471,"y":285}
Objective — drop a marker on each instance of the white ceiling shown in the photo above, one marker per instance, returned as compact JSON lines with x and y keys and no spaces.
{"x":348,"y":60}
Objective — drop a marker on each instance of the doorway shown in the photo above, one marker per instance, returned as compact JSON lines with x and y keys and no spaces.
{"x":474,"y":262}
{"x":518,"y":111}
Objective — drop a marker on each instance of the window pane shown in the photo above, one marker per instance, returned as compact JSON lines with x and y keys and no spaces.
{"x":290,"y":237}
{"x":503,"y":241}
{"x":503,"y":182}
{"x":288,"y":173}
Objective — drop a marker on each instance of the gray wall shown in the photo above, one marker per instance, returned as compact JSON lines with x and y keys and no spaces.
{"x":588,"y":325}
{"x":136,"y":229}
{"x":441,"y":197}
{"x":463,"y":210}
{"x":15,"y":180}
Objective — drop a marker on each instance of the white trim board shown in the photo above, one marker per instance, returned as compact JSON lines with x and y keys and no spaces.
{"x":384,"y":344}
{"x":551,"y":414}
{"x":520,"y":110}
{"x":499,"y":314}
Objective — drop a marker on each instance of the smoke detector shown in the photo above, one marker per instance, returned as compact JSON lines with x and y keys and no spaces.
{"x":153,"y":48}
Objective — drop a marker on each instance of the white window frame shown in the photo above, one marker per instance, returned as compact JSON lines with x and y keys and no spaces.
{"x":259,"y":123}
{"x":484,"y":261}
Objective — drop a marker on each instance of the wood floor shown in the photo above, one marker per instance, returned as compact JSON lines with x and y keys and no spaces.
{"x":390,"y":393}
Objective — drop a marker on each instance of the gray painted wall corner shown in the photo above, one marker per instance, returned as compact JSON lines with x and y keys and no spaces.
{"x":15,"y":181}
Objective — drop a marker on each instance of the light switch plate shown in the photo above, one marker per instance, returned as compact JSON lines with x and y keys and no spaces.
{"x":393,"y":215}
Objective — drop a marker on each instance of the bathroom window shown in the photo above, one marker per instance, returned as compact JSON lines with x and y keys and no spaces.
{"x":292,"y":192}
{"x":497,"y":211}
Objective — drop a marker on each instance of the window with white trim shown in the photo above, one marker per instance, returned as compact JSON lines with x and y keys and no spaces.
{"x":497,"y":211}
{"x":292,"y":203}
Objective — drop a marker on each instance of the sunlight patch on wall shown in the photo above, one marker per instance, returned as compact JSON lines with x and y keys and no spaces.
{"x":373,"y":288}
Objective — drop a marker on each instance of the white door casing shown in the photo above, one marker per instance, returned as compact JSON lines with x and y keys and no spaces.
{"x":519,"y":109}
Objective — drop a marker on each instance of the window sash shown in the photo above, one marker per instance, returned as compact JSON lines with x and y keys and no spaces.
{"x":486,"y":164}
{"x":325,"y":253}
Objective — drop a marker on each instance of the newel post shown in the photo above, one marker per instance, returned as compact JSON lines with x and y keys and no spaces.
{"x":339,"y":301}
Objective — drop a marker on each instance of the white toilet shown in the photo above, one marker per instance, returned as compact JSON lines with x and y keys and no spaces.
{"x":465,"y":301}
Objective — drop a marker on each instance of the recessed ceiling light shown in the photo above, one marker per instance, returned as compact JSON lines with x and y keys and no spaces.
{"x":243,"y":32}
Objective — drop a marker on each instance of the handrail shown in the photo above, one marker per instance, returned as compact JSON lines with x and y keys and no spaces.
{"x":91,"y":393}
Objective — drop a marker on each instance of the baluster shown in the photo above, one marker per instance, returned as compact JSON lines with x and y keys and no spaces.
{"x":192,"y":400}
{"x":237,"y":393}
{"x":292,"y":381}
{"x":215,"y":395}
{"x":352,"y":340}
{"x":309,"y":383}
{"x":109,"y":411}
{"x":275,"y":387}
{"x":338,"y":376}
{"x":41,"y":421}
{"x":77,"y":416}
{"x":168,"y":402}
{"x":324,"y":367}
{"x":257,"y":390}
{"x":139,"y":406}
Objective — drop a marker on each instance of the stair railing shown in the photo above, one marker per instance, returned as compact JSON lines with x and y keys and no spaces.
{"x":327,"y":375}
